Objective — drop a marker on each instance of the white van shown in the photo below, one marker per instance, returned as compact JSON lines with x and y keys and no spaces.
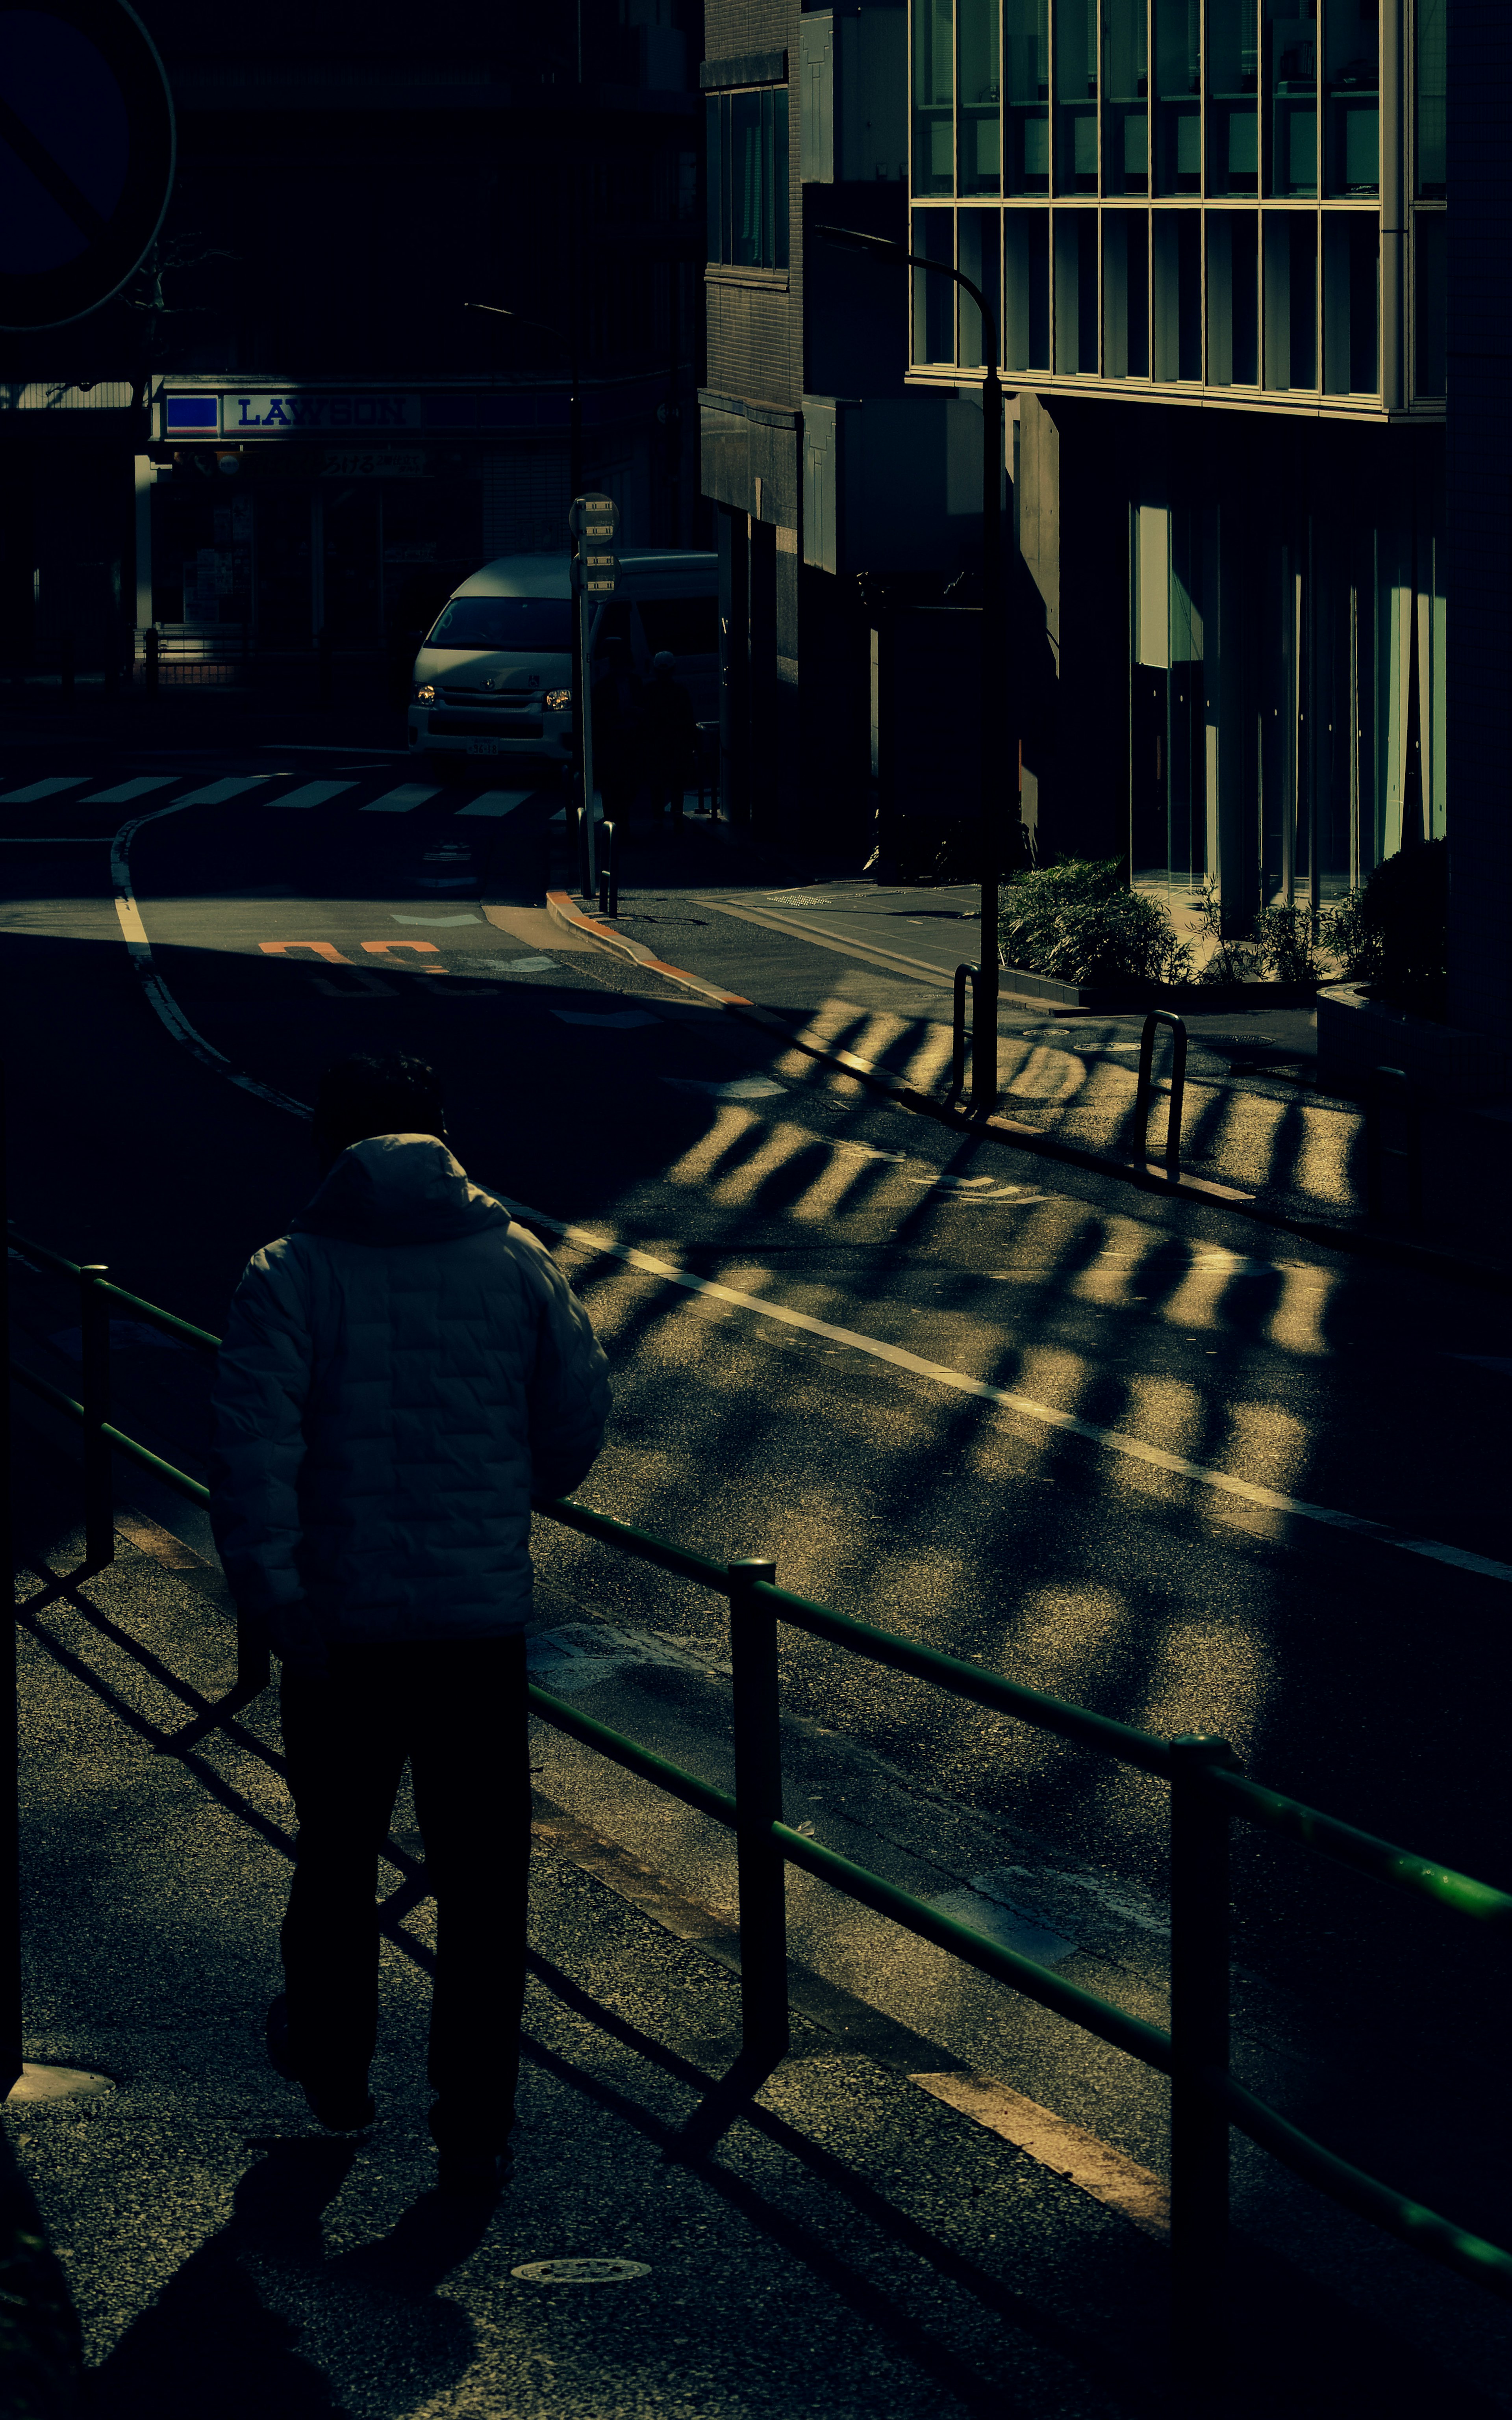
{"x":494,"y":676}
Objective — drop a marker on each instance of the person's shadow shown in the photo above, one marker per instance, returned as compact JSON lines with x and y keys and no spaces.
{"x":208,"y":2344}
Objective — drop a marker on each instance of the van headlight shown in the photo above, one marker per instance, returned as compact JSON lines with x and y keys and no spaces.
{"x":424,"y":694}
{"x":559,"y":701}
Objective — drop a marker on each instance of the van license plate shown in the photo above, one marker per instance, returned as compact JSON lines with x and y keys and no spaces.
{"x":485,"y":747}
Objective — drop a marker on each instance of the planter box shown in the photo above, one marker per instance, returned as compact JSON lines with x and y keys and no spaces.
{"x":1187,"y":999}
{"x":1356,"y":1034}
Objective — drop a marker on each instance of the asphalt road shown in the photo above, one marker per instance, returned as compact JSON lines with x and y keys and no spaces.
{"x":293,"y":904}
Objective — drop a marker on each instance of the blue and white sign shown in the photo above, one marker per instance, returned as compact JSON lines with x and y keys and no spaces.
{"x":284,"y":415}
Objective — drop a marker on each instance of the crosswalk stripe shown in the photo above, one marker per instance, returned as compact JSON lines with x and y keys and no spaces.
{"x":400,"y":801}
{"x":134,"y":789}
{"x":312,"y":794}
{"x":216,"y":793}
{"x":495,"y":803}
{"x":48,"y":789}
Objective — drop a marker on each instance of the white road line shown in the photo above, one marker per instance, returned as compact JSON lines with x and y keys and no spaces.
{"x":217,"y":794}
{"x":1222,"y":1482}
{"x":1071,"y":2151}
{"x":495,"y":803}
{"x":48,"y":789}
{"x":140,"y":786}
{"x":400,"y":801}
{"x":312,"y":794}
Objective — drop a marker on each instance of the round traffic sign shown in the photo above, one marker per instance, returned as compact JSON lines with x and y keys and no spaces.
{"x":594,"y":516}
{"x":87,"y":156}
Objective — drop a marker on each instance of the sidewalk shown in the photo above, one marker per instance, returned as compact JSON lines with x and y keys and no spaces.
{"x":852,"y":965}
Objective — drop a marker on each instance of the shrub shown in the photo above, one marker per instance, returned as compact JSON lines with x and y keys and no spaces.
{"x":1234,"y":959}
{"x":1281,"y":942}
{"x":1079,"y":921}
{"x":1394,"y":935}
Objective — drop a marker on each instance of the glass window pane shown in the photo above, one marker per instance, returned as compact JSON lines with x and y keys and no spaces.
{"x":1076,"y":315}
{"x":1178,"y":97}
{"x":1175,"y":283}
{"x":933,"y":98}
{"x":977,"y":233}
{"x":1429,"y":308}
{"x":1125,"y":99}
{"x":1026,"y":290}
{"x":1351,"y":96}
{"x":934,"y":238}
{"x":746,"y":178}
{"x":978,"y":135}
{"x":777,"y":179}
{"x":1290,"y":243}
{"x":1077,"y":95}
{"x":1125,"y":294}
{"x":1351,"y":310}
{"x":1233,"y":128}
{"x":1026,"y":96}
{"x":1291,"y":95}
{"x":1432,"y":85}
{"x":1233,"y":299}
{"x":710,"y":120}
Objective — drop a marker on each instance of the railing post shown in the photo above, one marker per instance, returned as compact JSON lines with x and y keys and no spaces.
{"x":963,"y":974}
{"x":10,"y":2011}
{"x":1200,"y":2039}
{"x":1146,"y":1086}
{"x":99,"y":1477}
{"x":764,"y":1939}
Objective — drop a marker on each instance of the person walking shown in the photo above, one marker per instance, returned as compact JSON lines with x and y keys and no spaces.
{"x":401,"y":1372}
{"x":671,"y":737}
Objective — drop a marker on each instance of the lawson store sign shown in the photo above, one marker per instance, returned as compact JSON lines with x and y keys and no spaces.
{"x":292,"y":414}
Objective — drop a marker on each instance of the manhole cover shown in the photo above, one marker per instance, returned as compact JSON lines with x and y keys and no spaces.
{"x":581,"y":2272}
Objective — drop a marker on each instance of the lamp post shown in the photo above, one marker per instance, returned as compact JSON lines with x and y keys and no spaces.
{"x":984,"y":1024}
{"x":575,"y":473}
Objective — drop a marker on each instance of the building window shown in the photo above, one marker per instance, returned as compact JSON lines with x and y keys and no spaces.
{"x":1429,"y":301}
{"x":1026,"y":65}
{"x":1292,"y":97}
{"x":1233,"y":126}
{"x":979,"y":136}
{"x":1430,"y":58}
{"x":1076,"y":292}
{"x":1234,"y":297}
{"x":1125,"y":99}
{"x":933,"y":98}
{"x":1352,"y":96}
{"x":933,"y":238}
{"x":1026,"y":290}
{"x":1125,"y":294}
{"x":1178,"y":97}
{"x":1176,"y":278}
{"x":1351,"y":304}
{"x":1291,"y":299}
{"x":747,"y":138}
{"x":977,"y":233}
{"x":1077,"y":95}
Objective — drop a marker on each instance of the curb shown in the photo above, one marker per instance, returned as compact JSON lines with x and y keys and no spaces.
{"x":1146,"y":1177}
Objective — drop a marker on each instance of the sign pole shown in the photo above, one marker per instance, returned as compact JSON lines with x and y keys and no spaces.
{"x":594,"y":521}
{"x":10,"y":2059}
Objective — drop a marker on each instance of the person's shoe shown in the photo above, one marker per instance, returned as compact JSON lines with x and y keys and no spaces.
{"x":342,"y":2107}
{"x":474,"y":2176}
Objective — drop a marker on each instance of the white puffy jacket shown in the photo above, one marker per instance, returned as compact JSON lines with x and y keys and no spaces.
{"x":401,"y":1372}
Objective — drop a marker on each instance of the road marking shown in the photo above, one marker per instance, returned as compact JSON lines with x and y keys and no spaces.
{"x":736,"y":1088}
{"x":396,"y":918}
{"x":48,"y":789}
{"x":326,"y":950}
{"x":138,"y":787}
{"x":386,"y":949}
{"x":312,"y":794}
{"x":1067,"y":2150}
{"x":400,"y":801}
{"x":526,"y":965}
{"x":1222,"y":1482}
{"x":217,"y":794}
{"x":495,"y":803}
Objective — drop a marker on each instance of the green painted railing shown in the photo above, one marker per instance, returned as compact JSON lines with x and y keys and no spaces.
{"x":1207,"y":1793}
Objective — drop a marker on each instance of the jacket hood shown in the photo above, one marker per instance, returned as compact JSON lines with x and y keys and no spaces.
{"x":399,"y":1188}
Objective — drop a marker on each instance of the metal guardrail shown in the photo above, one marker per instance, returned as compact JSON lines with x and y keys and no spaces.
{"x":1208,"y":1793}
{"x":1172,"y":1154}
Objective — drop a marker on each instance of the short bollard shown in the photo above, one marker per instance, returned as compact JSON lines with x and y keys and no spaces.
{"x":762,"y":1877}
{"x":99,"y":1477}
{"x":1199,"y":2044}
{"x":1145,"y":1087}
{"x":963,"y":975}
{"x":608,"y":880}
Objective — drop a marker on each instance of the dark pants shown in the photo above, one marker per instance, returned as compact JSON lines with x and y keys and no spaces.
{"x":457,"y":1710}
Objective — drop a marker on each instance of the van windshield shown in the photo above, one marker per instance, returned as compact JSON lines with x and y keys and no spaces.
{"x":530,"y":624}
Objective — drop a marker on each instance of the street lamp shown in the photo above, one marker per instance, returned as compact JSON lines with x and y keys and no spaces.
{"x":984,"y":1026}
